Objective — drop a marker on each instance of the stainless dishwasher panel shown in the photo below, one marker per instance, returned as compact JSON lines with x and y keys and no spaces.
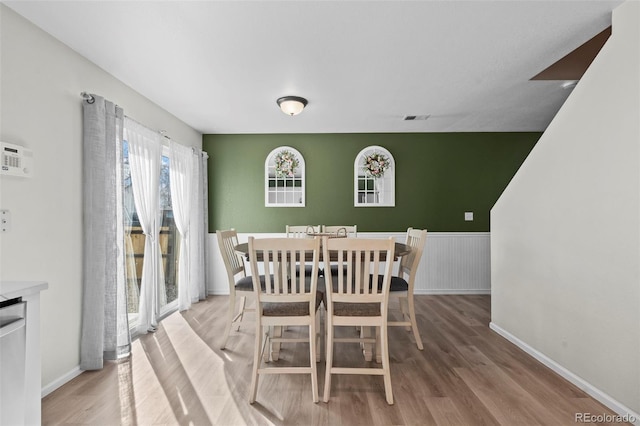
{"x":12,"y":363}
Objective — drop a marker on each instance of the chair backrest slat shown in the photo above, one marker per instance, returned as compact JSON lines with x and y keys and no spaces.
{"x":227,"y":241}
{"x":408,"y":265}
{"x":279,"y":258}
{"x":358,"y":264}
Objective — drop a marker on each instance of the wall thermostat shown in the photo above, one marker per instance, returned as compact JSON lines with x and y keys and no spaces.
{"x":15,"y":160}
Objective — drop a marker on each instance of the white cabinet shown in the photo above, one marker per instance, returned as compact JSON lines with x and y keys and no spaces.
{"x":28,"y":376}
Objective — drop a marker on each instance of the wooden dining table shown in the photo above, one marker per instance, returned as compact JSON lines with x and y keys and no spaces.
{"x":400,"y":249}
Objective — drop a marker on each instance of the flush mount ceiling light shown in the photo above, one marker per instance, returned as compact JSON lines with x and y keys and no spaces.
{"x":292,"y":105}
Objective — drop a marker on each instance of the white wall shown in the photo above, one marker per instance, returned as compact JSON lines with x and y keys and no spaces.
{"x":40,"y":108}
{"x":565,"y":234}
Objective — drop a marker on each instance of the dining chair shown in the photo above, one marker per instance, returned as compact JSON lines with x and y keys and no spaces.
{"x":351,"y":230}
{"x":402,"y":284}
{"x":352,"y":300}
{"x":287,"y":299}
{"x":242,"y":286}
{"x":301,"y":231}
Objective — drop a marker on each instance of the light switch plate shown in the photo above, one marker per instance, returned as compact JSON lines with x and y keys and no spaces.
{"x":468,"y":216}
{"x":5,"y":221}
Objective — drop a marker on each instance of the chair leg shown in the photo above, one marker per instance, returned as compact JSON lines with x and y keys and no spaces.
{"x":385,"y":364}
{"x":312,"y":360}
{"x":318,"y":337}
{"x":256,"y":362}
{"x":367,"y":348}
{"x":414,"y":325}
{"x":268,"y":332}
{"x":243,"y":301}
{"x":230,"y":316}
{"x":378,"y":350}
{"x":275,"y":347}
{"x":329,"y":361}
{"x":404,"y":308}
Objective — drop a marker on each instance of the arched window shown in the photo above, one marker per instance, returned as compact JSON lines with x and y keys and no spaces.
{"x":374,"y":178}
{"x":284,"y":178}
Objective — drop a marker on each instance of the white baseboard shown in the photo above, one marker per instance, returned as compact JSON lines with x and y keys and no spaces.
{"x":602,"y":397}
{"x":446,"y":291}
{"x":443,"y":291}
{"x":60,"y":381}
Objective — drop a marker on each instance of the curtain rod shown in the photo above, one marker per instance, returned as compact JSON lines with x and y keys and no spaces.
{"x":91,"y":99}
{"x":88,"y":97}
{"x":162,"y":132}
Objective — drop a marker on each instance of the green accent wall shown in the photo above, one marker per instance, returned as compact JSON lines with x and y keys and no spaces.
{"x":439,"y":176}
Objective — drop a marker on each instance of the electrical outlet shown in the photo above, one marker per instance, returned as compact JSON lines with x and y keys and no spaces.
{"x":468,"y":216}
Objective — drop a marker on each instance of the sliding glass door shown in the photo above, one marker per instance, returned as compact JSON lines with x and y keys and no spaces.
{"x":169,"y":241}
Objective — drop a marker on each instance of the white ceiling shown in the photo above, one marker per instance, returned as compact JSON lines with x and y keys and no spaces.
{"x":220,"y":65}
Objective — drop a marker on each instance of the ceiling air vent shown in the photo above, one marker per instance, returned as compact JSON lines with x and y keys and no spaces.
{"x":415,"y":117}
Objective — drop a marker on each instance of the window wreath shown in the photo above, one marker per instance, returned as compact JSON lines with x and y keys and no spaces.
{"x":375,"y":165}
{"x":286,"y":163}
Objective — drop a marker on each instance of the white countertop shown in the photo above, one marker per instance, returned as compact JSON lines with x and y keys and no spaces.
{"x":13,"y":289}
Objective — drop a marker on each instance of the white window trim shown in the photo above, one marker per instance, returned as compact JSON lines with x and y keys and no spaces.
{"x":302,"y":168}
{"x":388,"y":180}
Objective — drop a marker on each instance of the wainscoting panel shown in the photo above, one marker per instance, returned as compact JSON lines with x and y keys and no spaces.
{"x":455,"y":263}
{"x":452,"y":262}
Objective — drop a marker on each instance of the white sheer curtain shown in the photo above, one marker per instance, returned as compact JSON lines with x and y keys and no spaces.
{"x":105,"y":330}
{"x":199,"y":229}
{"x":189,"y":198}
{"x":133,"y":292}
{"x":182,"y":167}
{"x":145,"y":156}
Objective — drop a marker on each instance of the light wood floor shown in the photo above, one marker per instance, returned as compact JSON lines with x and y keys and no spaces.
{"x":466,"y":375}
